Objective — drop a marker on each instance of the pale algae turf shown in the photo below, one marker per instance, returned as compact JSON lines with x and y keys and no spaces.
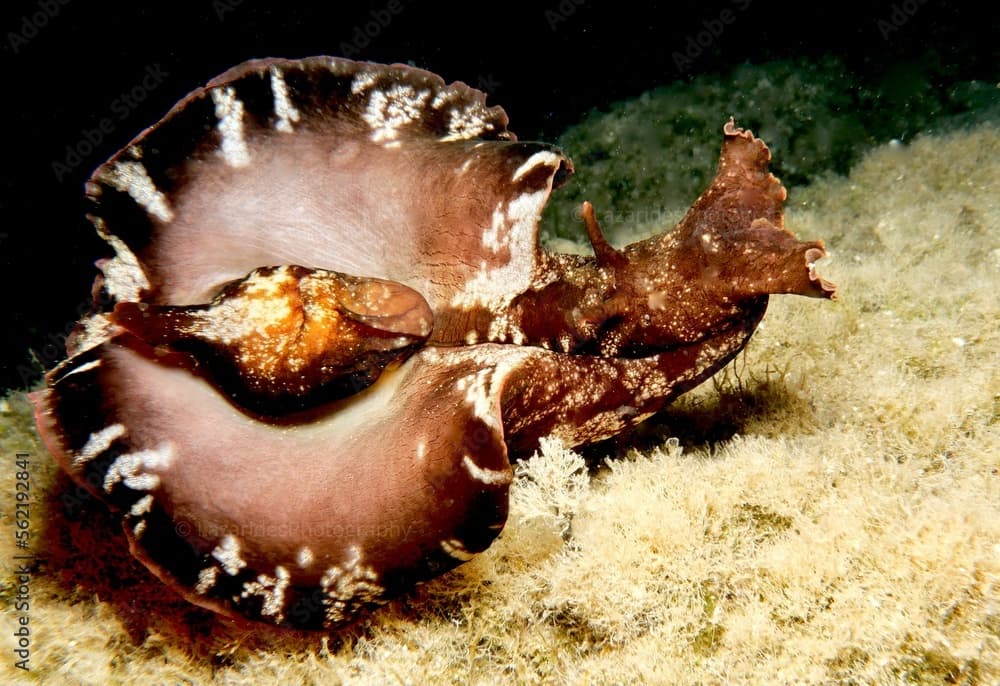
{"x":831,"y":514}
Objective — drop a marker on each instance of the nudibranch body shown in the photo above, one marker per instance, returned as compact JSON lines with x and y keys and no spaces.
{"x":331,"y":325}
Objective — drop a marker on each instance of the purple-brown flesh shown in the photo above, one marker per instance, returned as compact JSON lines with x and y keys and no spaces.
{"x":332,"y":326}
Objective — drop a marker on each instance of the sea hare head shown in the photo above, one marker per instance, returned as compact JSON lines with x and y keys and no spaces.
{"x":726,"y":256}
{"x":331,"y":324}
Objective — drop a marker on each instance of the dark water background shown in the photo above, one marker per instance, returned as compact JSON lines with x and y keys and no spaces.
{"x":82,"y":78}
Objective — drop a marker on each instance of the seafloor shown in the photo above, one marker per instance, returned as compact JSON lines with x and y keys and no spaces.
{"x":826,"y":512}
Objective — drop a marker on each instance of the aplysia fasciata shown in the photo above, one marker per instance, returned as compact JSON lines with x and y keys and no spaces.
{"x":331,"y":325}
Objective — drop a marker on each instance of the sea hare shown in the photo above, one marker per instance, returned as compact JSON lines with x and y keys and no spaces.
{"x":331,"y":325}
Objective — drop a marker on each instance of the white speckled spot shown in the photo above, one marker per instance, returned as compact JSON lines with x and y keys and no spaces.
{"x":492,"y":477}
{"x":131,"y":469}
{"x":258,"y":305}
{"x":228,"y":555}
{"x":363,"y":82}
{"x":91,"y":331}
{"x":283,"y":107}
{"x":97,"y":443}
{"x":495,"y":284}
{"x":272,"y":590}
{"x":206,"y":579}
{"x":467,"y":122}
{"x":132,"y":178}
{"x":544,"y":157}
{"x":389,"y":111}
{"x":141,"y":506}
{"x":305,"y":556}
{"x":229,"y":111}
{"x":478,"y":394}
{"x":349,"y":587}
{"x":443,"y":98}
{"x":124,"y":278}
{"x":497,"y":237}
{"x":456,"y":549}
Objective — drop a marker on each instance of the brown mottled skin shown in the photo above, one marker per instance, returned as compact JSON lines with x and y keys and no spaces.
{"x":666,"y":312}
{"x":709,"y":275}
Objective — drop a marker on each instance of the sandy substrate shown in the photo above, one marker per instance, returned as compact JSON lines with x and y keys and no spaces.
{"x":827,"y":512}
